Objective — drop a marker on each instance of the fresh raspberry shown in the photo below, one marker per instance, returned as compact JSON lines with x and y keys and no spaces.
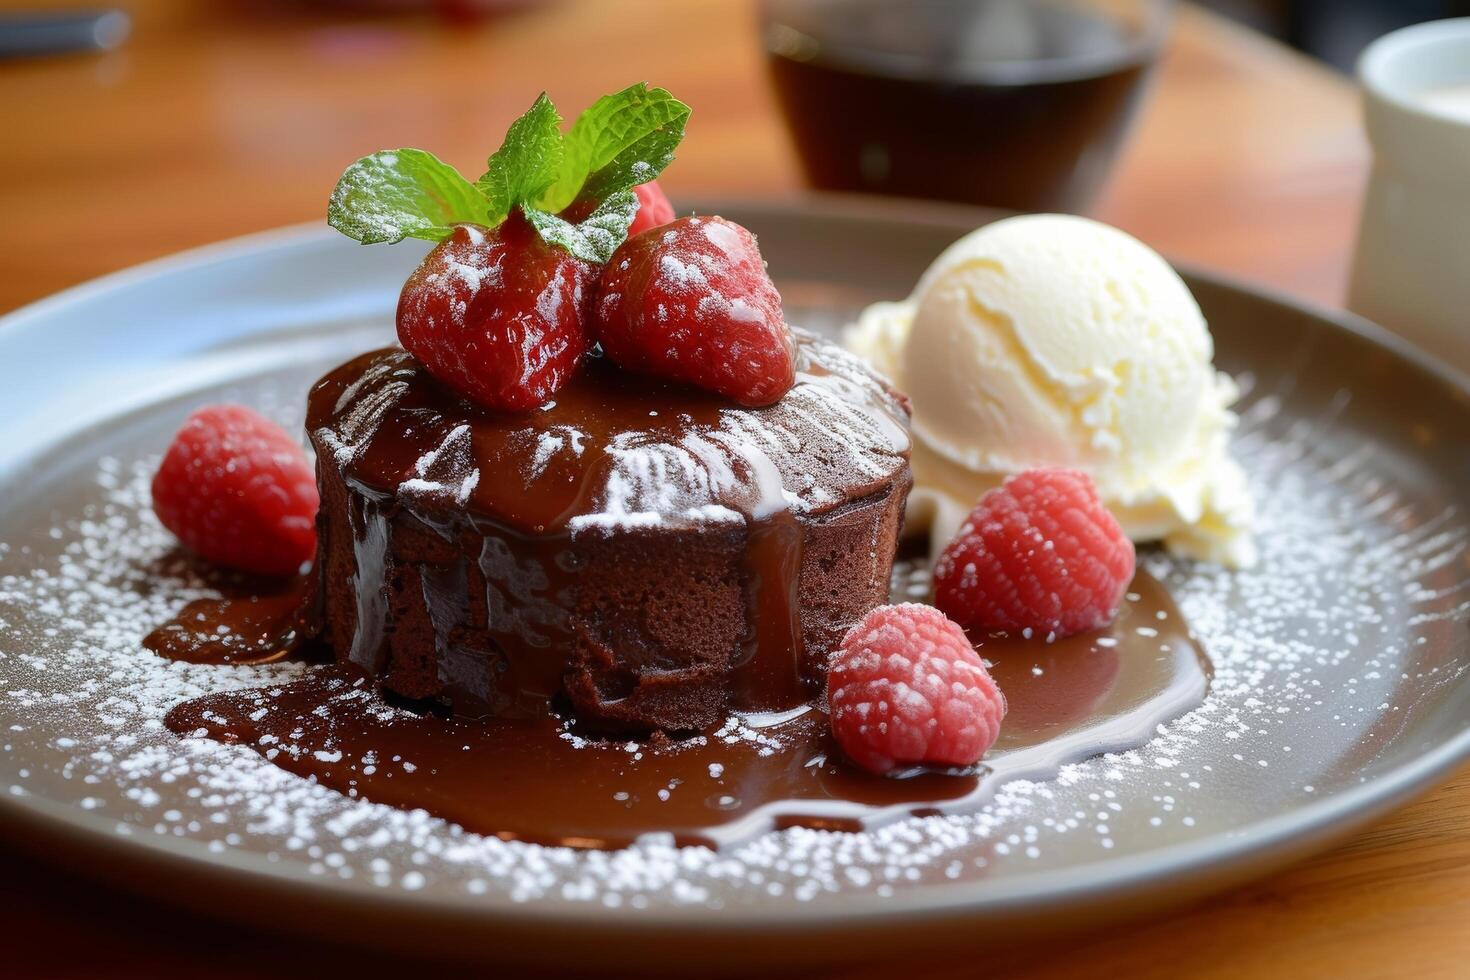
{"x":238,"y":491}
{"x":498,"y":316}
{"x":907,"y":688}
{"x":654,"y":208}
{"x":1040,"y":552}
{"x":691,"y":301}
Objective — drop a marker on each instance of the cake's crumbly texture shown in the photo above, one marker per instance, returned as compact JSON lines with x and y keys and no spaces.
{"x":659,"y":619}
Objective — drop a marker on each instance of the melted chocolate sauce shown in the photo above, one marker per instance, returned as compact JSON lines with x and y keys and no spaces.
{"x":612,"y":445}
{"x":254,"y":627}
{"x":542,"y":780}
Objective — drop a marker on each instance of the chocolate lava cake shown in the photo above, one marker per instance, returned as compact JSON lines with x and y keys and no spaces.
{"x":648,"y":554}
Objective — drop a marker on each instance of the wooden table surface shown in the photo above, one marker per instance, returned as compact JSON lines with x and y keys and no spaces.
{"x":220,"y":118}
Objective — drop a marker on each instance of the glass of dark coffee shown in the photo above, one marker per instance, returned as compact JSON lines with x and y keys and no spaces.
{"x":1019,"y":104}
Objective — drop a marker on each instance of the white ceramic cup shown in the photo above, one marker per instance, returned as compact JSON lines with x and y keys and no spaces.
{"x":1411,"y":272}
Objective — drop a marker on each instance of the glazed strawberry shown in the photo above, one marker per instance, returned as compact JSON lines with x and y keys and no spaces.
{"x":238,"y":491}
{"x":691,"y":301}
{"x":1040,"y":552}
{"x":498,"y":309}
{"x":907,"y":688}
{"x":654,"y":208}
{"x":500,"y":315}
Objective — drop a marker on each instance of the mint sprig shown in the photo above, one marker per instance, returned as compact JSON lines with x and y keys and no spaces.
{"x":528,"y":161}
{"x":597,"y":236}
{"x":623,"y":140}
{"x":397,"y":194}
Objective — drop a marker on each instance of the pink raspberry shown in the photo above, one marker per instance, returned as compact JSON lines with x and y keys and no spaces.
{"x":1040,"y":552}
{"x":238,"y":491}
{"x":907,"y":688}
{"x":654,"y":208}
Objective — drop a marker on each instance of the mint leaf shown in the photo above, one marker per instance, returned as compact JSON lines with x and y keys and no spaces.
{"x":527,"y":162}
{"x":623,"y":140}
{"x":397,"y":194}
{"x":598,"y":236}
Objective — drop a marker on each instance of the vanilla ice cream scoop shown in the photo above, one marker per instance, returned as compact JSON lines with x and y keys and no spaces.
{"x":1050,"y":340}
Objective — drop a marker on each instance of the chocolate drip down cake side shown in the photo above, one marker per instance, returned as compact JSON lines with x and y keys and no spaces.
{"x":653,"y":554}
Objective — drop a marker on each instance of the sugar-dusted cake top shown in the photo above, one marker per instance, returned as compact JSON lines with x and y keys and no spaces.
{"x":613,"y":447}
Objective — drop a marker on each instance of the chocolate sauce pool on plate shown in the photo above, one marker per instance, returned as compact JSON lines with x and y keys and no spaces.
{"x":257,"y":626}
{"x":548,"y":782}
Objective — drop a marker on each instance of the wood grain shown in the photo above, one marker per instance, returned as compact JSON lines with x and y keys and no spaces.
{"x":223,"y":118}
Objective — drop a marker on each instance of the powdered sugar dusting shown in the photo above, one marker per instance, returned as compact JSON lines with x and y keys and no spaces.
{"x":839,"y":434}
{"x":447,"y":472}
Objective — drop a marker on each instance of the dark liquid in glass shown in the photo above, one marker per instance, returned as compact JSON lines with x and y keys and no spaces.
{"x":1029,"y":118}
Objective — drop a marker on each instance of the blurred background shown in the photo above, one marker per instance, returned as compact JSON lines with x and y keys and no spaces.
{"x":1336,"y":30}
{"x":162,"y":124}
